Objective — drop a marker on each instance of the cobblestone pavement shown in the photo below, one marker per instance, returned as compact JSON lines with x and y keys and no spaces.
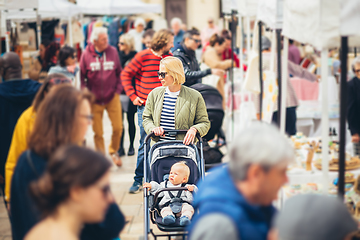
{"x":121,"y":180}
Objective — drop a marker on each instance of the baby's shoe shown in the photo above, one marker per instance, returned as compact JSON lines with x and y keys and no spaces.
{"x":184,"y":221}
{"x":169,"y":219}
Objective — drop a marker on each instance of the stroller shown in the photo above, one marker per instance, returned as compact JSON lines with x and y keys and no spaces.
{"x":213,"y":101}
{"x":157,"y":164}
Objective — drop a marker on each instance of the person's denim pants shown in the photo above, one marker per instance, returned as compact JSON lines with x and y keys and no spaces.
{"x":139,"y":171}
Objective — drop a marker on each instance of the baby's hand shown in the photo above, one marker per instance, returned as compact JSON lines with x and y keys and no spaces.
{"x":147,"y":185}
{"x":190,"y":188}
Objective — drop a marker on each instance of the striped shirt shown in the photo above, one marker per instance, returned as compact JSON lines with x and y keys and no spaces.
{"x":167,"y":119}
{"x":144,"y":67}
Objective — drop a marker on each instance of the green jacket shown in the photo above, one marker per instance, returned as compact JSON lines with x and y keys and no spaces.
{"x":190,"y":111}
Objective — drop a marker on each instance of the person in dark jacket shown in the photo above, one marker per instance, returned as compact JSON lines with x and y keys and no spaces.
{"x":16,"y":95}
{"x":353,"y":106}
{"x":126,"y":53}
{"x":100,"y":73}
{"x":186,"y":53}
{"x":54,"y":127}
{"x":235,"y":201}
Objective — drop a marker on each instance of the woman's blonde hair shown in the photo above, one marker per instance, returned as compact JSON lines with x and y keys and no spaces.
{"x":174,"y":68}
{"x":129,"y":41}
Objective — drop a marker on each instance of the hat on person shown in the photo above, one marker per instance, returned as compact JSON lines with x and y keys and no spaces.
{"x":314,"y":217}
{"x":139,"y":21}
{"x":265,"y":43}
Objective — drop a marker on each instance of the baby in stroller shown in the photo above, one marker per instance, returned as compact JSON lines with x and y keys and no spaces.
{"x":175,"y":204}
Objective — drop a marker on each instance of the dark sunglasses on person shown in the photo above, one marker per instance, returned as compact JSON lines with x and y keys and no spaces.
{"x":73,"y":56}
{"x":162,"y":74}
{"x":89,"y":117}
{"x":105,"y":190}
{"x":57,"y":81}
{"x":196,"y":40}
{"x":357,"y":70}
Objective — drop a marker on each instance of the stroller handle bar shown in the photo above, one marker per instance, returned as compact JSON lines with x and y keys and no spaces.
{"x":173,"y":132}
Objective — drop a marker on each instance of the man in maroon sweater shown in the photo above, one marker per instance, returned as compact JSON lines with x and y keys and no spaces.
{"x":144,"y":67}
{"x":100,"y":73}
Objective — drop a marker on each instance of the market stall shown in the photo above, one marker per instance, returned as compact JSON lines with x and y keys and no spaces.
{"x":117,"y":7}
{"x":34,"y":10}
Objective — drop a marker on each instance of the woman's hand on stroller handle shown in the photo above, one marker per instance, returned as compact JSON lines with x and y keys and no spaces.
{"x":190,"y":136}
{"x":158,"y":131}
{"x":147,"y":185}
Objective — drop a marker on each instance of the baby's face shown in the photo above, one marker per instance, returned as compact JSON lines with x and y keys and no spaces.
{"x":177,"y":175}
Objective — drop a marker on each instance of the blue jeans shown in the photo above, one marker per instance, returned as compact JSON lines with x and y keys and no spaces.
{"x":139,"y":171}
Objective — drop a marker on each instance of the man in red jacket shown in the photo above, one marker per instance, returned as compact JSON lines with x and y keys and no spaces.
{"x":144,"y":67}
{"x":100,"y":73}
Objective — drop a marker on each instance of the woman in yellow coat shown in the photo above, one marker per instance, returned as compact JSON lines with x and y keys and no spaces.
{"x":24,"y":127}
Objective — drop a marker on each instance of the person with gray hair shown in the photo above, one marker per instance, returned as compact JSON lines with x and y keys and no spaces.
{"x":235,"y":201}
{"x":353,"y":106}
{"x":313,"y":217}
{"x":138,"y":33}
{"x":100,"y":72}
{"x":178,"y":32}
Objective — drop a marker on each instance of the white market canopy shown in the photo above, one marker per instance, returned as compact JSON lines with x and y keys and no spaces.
{"x":321,"y":23}
{"x":247,"y":7}
{"x":271,"y":13}
{"x":116,"y":7}
{"x":25,"y":9}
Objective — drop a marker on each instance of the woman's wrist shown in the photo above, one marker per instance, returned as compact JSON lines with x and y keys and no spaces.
{"x":194,"y":129}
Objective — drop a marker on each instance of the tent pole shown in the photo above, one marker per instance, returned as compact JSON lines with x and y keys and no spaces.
{"x":284,"y":83}
{"x":7,"y":36}
{"x":260,"y":71}
{"x":241,"y":47}
{"x":325,"y":120}
{"x":71,"y":44}
{"x":343,"y":112}
{"x":278,"y":48}
{"x":247,"y":37}
{"x":233,"y":42}
{"x":38,"y":28}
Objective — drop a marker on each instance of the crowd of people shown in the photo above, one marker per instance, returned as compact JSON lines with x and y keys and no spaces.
{"x":56,"y":188}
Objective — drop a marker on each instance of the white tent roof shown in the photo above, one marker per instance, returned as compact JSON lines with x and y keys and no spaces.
{"x":46,"y":9}
{"x":271,"y":13}
{"x":322,"y":22}
{"x":20,"y":4}
{"x":114,"y":7}
{"x":247,"y":7}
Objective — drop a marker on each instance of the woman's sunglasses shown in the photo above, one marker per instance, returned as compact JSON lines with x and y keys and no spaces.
{"x":196,"y":40}
{"x":57,"y":81}
{"x":89,"y":117}
{"x":105,"y":190}
{"x":162,"y":74}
